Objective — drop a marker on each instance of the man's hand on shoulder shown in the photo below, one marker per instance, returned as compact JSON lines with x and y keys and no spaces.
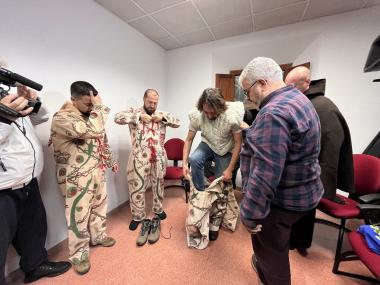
{"x":145,"y":118}
{"x":95,"y":100}
{"x":157,"y":118}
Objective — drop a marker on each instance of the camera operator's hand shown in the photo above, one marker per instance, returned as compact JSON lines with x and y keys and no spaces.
{"x":17,"y":103}
{"x":95,"y":100}
{"x":145,"y":118}
{"x":157,"y":118}
{"x":27,"y":93}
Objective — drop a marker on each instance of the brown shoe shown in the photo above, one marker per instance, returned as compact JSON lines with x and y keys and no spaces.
{"x":82,"y":267}
{"x":106,"y":242}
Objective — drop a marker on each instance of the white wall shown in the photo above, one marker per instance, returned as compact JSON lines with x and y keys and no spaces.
{"x":337,"y":47}
{"x":57,"y":42}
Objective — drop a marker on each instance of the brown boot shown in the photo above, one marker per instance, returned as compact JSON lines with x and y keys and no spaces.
{"x":82,"y":267}
{"x":144,"y":232}
{"x":155,"y":230}
{"x":106,"y":242}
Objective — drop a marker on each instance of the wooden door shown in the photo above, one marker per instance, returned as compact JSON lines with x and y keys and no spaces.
{"x":226,"y":83}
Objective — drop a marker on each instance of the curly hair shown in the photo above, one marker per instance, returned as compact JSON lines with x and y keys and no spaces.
{"x":214,"y":99}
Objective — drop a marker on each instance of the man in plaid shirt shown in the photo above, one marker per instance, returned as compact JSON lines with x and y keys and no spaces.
{"x":279,"y":166}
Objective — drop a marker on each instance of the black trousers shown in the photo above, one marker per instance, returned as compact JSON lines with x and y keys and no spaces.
{"x":271,"y":245}
{"x":23,"y":223}
{"x":302,"y":231}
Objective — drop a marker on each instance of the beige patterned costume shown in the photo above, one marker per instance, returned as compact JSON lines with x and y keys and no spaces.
{"x":209,"y":209}
{"x":82,"y":154}
{"x":147,"y":161}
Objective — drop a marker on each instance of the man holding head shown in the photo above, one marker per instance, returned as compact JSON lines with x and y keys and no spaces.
{"x":219,"y":124}
{"x":279,"y":166}
{"x":82,"y":155}
{"x":335,"y":158}
{"x":147,"y":162}
{"x":22,"y":212}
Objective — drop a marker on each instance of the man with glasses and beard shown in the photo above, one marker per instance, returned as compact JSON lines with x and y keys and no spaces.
{"x":82,"y":154}
{"x":279,"y":167}
{"x":147,"y":162}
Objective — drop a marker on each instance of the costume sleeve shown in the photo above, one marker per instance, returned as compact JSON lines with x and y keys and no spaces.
{"x":266,"y":146}
{"x":74,"y":127}
{"x":130,"y":116}
{"x":194,"y":118}
{"x":109,"y":159}
{"x":170,"y":121}
{"x":236,"y":115}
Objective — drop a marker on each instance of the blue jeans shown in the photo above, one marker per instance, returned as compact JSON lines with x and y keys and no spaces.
{"x":198,"y":159}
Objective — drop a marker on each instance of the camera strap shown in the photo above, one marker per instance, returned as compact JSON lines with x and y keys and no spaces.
{"x":2,"y":165}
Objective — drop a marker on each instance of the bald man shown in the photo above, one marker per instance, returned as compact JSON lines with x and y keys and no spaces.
{"x":335,"y":157}
{"x":147,"y":162}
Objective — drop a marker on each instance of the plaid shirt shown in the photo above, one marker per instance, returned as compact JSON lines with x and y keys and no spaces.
{"x":279,"y":157}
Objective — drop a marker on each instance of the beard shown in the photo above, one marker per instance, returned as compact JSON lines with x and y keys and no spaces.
{"x":86,"y":114}
{"x":149,"y":111}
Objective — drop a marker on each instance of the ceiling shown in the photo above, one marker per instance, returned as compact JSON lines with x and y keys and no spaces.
{"x":178,"y":23}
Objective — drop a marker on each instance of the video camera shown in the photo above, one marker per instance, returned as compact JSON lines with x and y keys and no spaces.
{"x":11,"y":79}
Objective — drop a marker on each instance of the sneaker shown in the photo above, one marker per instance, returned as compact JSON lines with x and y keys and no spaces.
{"x":82,"y":267}
{"x":106,"y":242}
{"x":145,"y":229}
{"x":162,"y":215}
{"x":254,"y":266}
{"x":134,"y":224}
{"x":155,"y":230}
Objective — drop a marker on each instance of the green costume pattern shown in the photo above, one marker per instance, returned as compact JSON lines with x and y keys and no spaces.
{"x":147,"y":161}
{"x":82,"y":154}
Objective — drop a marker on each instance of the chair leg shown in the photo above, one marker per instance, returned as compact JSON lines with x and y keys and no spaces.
{"x":345,"y":256}
{"x":351,"y":256}
{"x":339,"y":245}
{"x":330,"y":223}
{"x":186,"y":187}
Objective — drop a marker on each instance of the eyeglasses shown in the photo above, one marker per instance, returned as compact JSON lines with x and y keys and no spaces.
{"x":246,"y":91}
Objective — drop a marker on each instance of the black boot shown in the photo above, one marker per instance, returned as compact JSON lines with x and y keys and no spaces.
{"x":213,"y":235}
{"x":162,"y":215}
{"x":133,"y":225}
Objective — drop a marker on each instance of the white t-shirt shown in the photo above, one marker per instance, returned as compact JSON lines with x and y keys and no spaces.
{"x":21,"y":151}
{"x":218,"y":133}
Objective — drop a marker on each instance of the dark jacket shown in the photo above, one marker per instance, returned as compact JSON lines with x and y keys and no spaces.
{"x":374,"y":147}
{"x":337,"y":170}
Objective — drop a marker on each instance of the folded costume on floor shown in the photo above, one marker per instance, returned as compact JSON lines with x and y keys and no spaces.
{"x":208,"y":210}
